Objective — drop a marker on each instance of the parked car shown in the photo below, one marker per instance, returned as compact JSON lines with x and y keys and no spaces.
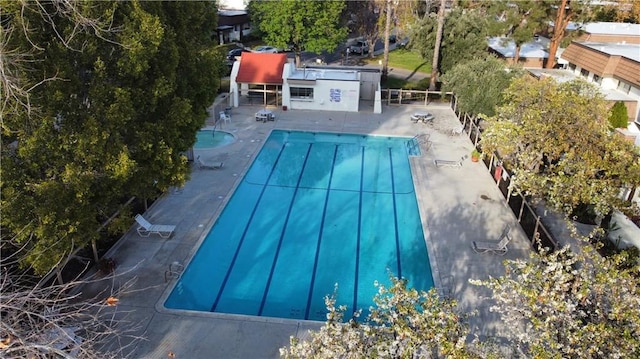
{"x":359,"y":47}
{"x":266,"y":49}
{"x":233,"y":54}
{"x":403,"y":42}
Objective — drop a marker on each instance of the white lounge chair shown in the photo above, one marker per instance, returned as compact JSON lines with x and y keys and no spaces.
{"x":145,"y":228}
{"x":208,"y":166}
{"x":498,"y":247}
{"x":448,"y":163}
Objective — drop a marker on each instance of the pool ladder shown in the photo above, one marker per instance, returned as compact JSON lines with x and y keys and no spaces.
{"x":174,"y":271}
{"x":413,"y":145}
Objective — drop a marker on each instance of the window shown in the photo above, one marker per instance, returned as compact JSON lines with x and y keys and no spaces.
{"x":597,"y":79}
{"x":301,"y":92}
{"x":624,"y":87}
{"x":572,"y":67}
{"x":584,"y":73}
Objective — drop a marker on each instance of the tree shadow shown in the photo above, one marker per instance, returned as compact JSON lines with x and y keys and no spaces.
{"x":415,"y":70}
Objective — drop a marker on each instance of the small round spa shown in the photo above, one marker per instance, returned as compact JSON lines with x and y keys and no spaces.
{"x":207,"y":139}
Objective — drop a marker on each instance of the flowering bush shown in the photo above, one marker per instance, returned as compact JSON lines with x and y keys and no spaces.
{"x":405,"y":323}
{"x":567,"y":305}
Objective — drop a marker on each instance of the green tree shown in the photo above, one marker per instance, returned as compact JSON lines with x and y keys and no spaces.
{"x":111,"y":120}
{"x":367,"y":20}
{"x":479,"y":84}
{"x":555,"y":138}
{"x":618,"y":116}
{"x":301,"y":25}
{"x":405,"y":323}
{"x":519,"y":20}
{"x":464,"y":37}
{"x":567,"y":305}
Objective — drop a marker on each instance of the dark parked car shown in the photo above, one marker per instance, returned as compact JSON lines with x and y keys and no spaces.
{"x":359,"y":47}
{"x":231,"y":55}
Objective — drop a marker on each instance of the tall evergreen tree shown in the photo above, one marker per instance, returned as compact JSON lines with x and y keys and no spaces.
{"x":111,"y":120}
{"x":519,"y":21}
{"x":464,"y":37}
{"x":618,"y":115}
{"x":479,"y":84}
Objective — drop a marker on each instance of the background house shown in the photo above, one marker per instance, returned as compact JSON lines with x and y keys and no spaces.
{"x":614,"y":67}
{"x":233,"y":26}
{"x":612,"y":32}
{"x":532,"y":54}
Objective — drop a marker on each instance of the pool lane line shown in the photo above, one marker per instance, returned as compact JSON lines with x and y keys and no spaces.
{"x":395,"y":213}
{"x":324,"y":216}
{"x":323,"y":188}
{"x":246,"y":229}
{"x":355,"y":284}
{"x":284,"y":229}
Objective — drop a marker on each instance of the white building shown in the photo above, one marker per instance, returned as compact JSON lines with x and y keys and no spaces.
{"x":271,"y":79}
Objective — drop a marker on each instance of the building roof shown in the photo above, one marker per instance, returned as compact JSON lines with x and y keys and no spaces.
{"x":630,"y":51}
{"x":530,"y":50}
{"x":567,"y":75}
{"x":259,"y":68}
{"x":324,"y":74}
{"x":607,"y":28}
{"x":606,"y":59}
{"x":232,"y":17}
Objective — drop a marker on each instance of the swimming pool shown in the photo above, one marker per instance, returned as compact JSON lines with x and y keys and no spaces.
{"x":313,"y":210}
{"x":212,"y":139}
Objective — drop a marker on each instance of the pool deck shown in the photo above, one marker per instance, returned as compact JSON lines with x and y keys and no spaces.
{"x":457,"y":205}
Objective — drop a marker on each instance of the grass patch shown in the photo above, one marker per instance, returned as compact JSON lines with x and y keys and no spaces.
{"x":404,"y":59}
{"x":397,"y":83}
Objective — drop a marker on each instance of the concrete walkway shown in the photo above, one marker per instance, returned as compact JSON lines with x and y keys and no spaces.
{"x":457,"y":206}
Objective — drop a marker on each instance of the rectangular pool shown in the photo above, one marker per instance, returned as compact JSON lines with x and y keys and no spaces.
{"x":313,"y":210}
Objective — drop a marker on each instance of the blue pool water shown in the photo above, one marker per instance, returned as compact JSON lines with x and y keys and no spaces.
{"x":212,"y":139}
{"x":313,"y":210}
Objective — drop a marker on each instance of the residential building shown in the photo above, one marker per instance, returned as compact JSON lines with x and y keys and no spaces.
{"x":614,"y":67}
{"x":532,"y":54}
{"x":233,"y":26}
{"x":612,"y":32}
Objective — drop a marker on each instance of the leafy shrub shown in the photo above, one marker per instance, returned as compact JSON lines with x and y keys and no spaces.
{"x":618,"y":116}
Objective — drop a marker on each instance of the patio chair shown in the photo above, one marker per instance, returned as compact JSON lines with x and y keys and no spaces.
{"x":208,"y":166}
{"x":498,"y":247}
{"x":224,"y":117}
{"x":145,"y":228}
